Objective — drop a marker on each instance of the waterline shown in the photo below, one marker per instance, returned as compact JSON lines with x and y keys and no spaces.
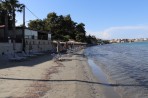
{"x":100,"y":75}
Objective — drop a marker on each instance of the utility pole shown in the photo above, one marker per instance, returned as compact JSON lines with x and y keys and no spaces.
{"x":13,"y":26}
{"x":6,"y":25}
{"x":23,"y":34}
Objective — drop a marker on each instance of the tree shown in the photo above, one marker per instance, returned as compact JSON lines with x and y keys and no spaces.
{"x":91,"y":39}
{"x":80,"y":32}
{"x":51,"y":22}
{"x":70,"y":27}
{"x":37,"y":24}
{"x":4,"y":18}
{"x":2,"y":22}
{"x":10,"y":7}
{"x":62,"y":27}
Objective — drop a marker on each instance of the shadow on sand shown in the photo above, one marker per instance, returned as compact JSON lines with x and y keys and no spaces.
{"x":4,"y":63}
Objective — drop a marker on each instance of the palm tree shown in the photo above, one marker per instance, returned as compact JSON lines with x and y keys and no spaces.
{"x":11,"y":6}
{"x":4,"y":12}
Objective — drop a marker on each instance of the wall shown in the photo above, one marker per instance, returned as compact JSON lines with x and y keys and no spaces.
{"x":49,"y":36}
{"x":8,"y":48}
{"x":30,"y":33}
{"x":35,"y":45}
{"x":31,"y":44}
{"x":38,"y":45}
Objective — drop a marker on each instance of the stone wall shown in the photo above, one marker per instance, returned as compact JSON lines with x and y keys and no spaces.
{"x":6,"y":48}
{"x":38,"y":45}
{"x":32,"y":45}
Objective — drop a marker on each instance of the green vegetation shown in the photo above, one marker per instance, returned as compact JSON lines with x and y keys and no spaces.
{"x":91,"y":39}
{"x":7,"y":11}
{"x":7,"y":14}
{"x":106,"y":42}
{"x":101,"y":42}
{"x":62,"y":28}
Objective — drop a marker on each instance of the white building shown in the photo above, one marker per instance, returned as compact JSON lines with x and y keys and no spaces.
{"x":30,"y":40}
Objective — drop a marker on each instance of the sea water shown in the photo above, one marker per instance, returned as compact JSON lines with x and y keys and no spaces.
{"x":125,"y":65}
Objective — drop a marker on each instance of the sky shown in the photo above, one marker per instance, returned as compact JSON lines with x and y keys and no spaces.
{"x":106,"y":19}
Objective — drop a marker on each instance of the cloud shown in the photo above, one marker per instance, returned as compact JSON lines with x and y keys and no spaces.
{"x":123,"y":32}
{"x":105,"y":35}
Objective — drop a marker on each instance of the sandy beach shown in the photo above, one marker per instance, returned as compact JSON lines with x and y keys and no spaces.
{"x":41,"y":77}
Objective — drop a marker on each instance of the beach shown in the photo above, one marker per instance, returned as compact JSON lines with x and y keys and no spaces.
{"x":41,"y":77}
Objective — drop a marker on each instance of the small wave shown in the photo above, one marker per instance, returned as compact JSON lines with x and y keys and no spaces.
{"x":125,"y":65}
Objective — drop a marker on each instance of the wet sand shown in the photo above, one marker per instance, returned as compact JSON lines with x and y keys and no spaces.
{"x":41,"y":77}
{"x":108,"y":88}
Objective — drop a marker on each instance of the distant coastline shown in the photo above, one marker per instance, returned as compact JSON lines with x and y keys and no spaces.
{"x":128,"y":40}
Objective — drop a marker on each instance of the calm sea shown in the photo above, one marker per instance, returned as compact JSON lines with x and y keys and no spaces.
{"x":125,"y":65}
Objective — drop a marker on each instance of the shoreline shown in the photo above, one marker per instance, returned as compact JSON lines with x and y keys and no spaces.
{"x":48,"y":79}
{"x":107,"y":86}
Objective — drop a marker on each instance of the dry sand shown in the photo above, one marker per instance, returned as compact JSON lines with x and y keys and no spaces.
{"x":41,"y":77}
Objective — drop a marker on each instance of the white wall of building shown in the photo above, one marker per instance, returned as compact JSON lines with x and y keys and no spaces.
{"x":49,"y":36}
{"x":30,"y":33}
